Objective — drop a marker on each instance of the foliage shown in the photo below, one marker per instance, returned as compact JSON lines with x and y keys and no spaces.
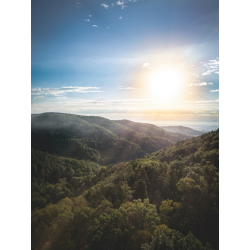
{"x":54,"y":178}
{"x":166,"y":200}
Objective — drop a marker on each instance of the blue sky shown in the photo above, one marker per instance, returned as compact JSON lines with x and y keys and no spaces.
{"x":96,"y":58}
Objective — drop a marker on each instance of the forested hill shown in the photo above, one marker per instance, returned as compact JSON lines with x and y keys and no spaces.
{"x":166,"y":200}
{"x":95,"y":138}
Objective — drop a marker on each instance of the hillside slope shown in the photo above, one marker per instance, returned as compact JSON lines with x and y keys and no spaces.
{"x":70,"y":136}
{"x":183,"y":178}
{"x":167,"y":200}
{"x":93,"y":138}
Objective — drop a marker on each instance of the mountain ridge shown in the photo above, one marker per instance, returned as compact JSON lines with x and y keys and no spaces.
{"x":182,"y":130}
{"x":95,"y":138}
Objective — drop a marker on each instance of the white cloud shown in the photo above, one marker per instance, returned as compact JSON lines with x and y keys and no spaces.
{"x":147,"y":65}
{"x":121,"y":3}
{"x":63,"y":90}
{"x":126,"y":88}
{"x":106,"y":6}
{"x":120,"y":17}
{"x":212,"y":66}
{"x":95,"y":26}
{"x":199,"y":84}
{"x":87,"y":20}
{"x":90,"y":15}
{"x":214,"y":90}
{"x":76,"y":87}
{"x":206,"y":73}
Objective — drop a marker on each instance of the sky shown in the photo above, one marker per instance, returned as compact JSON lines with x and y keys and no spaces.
{"x":153,"y":61}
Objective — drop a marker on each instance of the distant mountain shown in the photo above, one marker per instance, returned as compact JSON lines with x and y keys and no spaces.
{"x":95,"y":138}
{"x":152,"y":130}
{"x":182,"y":130}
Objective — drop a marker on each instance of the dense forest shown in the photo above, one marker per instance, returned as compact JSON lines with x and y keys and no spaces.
{"x":164,"y":200}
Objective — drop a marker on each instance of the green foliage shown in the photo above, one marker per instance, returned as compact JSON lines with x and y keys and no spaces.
{"x":165,"y":238}
{"x":167,"y":200}
{"x":124,"y":228}
{"x":170,"y":213}
{"x":54,"y":178}
{"x":201,"y":149}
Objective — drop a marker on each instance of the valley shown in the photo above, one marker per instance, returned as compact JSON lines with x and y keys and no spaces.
{"x":103,"y":184}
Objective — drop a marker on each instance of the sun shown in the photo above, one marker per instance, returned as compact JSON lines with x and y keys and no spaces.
{"x":165,"y":83}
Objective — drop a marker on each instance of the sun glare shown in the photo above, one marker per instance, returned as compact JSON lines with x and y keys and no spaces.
{"x":165,"y":83}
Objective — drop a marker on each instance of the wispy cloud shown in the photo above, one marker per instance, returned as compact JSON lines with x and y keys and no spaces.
{"x":61,"y":97}
{"x":38,"y":97}
{"x":212,"y":66}
{"x":147,"y":65}
{"x":94,"y":26}
{"x":203,"y":101}
{"x":214,"y":90}
{"x":120,"y":17}
{"x":126,"y":88}
{"x":199,"y":84}
{"x":120,"y":3}
{"x":78,"y":5}
{"x":63,"y":90}
{"x":90,"y":15}
{"x":106,"y":6}
{"x":132,"y":109}
{"x":87,"y":20}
